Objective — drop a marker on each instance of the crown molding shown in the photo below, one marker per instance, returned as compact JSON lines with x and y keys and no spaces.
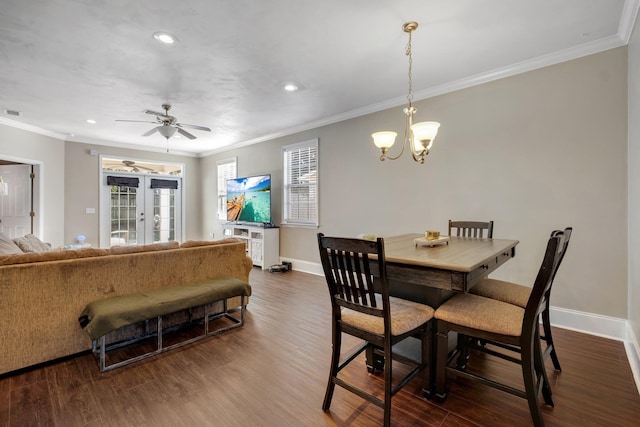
{"x":628,"y":19}
{"x":154,"y":149}
{"x":30,"y":128}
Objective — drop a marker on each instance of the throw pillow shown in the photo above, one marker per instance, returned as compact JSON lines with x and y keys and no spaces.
{"x":8,"y":246}
{"x":30,"y":243}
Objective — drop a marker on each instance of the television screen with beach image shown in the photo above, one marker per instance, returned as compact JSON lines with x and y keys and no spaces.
{"x":249,"y":199}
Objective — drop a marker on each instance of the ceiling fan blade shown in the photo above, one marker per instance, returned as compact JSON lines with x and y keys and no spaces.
{"x":155,"y":129}
{"x":135,"y":121}
{"x":185,"y":133}
{"x":154,"y":113}
{"x":193,"y":126}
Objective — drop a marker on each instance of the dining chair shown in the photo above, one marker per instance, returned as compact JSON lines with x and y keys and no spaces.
{"x":516,"y":294}
{"x":478,"y":318}
{"x":471,"y":228}
{"x":350,"y":268}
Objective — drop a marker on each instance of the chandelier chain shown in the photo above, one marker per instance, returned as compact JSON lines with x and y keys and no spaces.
{"x":408,"y":53}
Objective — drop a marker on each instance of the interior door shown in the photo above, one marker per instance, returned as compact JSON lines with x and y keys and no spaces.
{"x":16,"y":207}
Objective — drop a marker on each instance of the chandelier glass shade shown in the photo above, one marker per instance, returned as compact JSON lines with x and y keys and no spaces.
{"x":419,"y":136}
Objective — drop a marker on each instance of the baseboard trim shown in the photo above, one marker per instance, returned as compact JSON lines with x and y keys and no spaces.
{"x":589,"y":323}
{"x":305,"y":266}
{"x":579,"y":321}
{"x":633,"y":355}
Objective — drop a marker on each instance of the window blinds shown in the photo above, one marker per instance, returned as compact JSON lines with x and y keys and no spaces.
{"x":301,"y":183}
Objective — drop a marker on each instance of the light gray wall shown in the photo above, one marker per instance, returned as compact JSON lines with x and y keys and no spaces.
{"x":82,"y":189}
{"x":49,"y":154}
{"x":634,"y":184}
{"x":534,"y":152}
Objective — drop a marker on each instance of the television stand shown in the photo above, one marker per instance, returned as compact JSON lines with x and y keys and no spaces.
{"x":262,"y":244}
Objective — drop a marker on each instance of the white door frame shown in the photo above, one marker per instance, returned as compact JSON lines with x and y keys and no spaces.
{"x":38,"y":195}
{"x":104,"y":237}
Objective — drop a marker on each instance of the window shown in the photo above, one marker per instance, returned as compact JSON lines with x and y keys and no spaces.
{"x":227,"y":169}
{"x":301,"y":183}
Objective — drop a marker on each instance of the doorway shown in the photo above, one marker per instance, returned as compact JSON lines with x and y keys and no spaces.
{"x":19,"y":198}
{"x":141,"y":205}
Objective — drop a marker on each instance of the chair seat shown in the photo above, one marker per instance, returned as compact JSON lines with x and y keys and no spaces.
{"x":481,"y":313}
{"x":405,"y":316}
{"x":500,"y":290}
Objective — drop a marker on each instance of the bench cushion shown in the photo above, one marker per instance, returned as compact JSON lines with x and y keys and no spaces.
{"x":106,"y":315}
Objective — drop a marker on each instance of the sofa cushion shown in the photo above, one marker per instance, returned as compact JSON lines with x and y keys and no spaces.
{"x":196,"y":243}
{"x":30,"y":243}
{"x":8,"y":246}
{"x":163,"y":246}
{"x":29,"y":257}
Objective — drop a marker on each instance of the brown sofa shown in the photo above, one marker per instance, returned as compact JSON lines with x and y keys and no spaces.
{"x":42,"y":294}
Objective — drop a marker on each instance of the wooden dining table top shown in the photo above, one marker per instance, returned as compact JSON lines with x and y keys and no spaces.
{"x":460,"y":254}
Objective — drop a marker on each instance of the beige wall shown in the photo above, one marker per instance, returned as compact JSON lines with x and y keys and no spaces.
{"x":634,"y":185}
{"x":534,"y":152}
{"x":82,"y":189}
{"x":48,"y":153}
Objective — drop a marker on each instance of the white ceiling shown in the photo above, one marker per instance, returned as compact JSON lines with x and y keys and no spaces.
{"x":64,"y":61}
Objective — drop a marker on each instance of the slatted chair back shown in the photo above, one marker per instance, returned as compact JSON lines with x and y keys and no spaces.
{"x":471,"y":228}
{"x":566,"y":235}
{"x":347,"y":266}
{"x":541,"y":287}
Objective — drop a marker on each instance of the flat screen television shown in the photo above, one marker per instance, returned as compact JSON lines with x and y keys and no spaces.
{"x":249,"y":199}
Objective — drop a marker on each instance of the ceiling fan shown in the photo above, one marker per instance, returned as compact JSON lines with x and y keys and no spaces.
{"x":168,"y":125}
{"x":136,"y":168}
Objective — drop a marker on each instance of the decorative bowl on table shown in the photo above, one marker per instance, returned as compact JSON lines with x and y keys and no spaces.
{"x":423,"y":241}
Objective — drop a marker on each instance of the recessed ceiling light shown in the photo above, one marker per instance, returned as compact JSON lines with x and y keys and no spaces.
{"x":93,"y":122}
{"x":165,"y":38}
{"x":290,"y":87}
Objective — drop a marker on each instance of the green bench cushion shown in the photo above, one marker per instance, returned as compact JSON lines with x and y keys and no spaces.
{"x":106,"y":315}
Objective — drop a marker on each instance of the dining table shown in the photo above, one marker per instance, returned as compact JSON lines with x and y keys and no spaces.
{"x":431,"y":273}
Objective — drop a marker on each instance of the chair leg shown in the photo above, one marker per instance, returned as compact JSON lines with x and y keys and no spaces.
{"x":529,"y":377}
{"x":546,"y":324}
{"x":463,"y":351}
{"x":428,"y":361}
{"x":541,"y":371}
{"x":387,"y":385}
{"x":441,"y":359}
{"x":333,"y":372}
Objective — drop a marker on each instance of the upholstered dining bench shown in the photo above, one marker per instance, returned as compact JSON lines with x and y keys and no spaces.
{"x":104,"y":316}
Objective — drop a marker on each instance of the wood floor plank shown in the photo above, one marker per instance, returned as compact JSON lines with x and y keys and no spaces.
{"x":5,"y":401}
{"x":31,"y":405}
{"x":273,"y":372}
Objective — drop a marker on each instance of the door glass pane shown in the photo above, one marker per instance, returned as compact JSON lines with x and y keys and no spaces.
{"x":164,"y":215}
{"x":123,"y":215}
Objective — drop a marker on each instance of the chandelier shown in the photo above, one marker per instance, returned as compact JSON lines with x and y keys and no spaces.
{"x":419,"y":136}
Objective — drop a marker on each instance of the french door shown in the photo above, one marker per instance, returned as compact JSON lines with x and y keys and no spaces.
{"x":141,"y":209}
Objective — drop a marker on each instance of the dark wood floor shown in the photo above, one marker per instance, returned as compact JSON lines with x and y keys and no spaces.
{"x":273,"y":372}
